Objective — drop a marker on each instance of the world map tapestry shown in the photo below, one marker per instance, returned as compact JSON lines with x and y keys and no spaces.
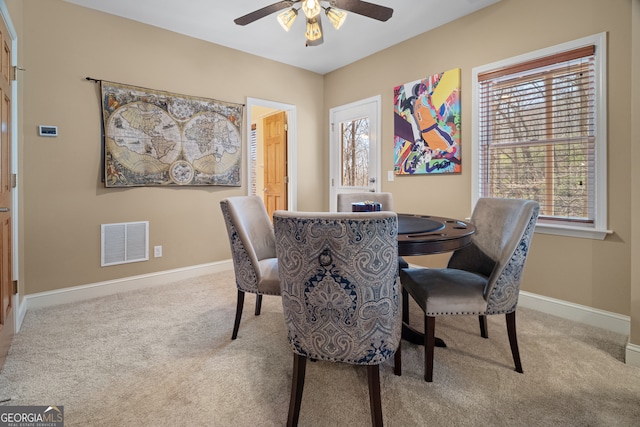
{"x":427,"y":125}
{"x":156,"y":138}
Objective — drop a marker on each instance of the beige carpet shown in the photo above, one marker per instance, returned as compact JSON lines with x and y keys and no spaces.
{"x":164,"y":357}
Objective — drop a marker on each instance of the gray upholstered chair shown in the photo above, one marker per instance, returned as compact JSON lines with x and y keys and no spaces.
{"x":482,"y":278}
{"x":344,"y":200}
{"x":253,"y":250}
{"x":340,"y":293}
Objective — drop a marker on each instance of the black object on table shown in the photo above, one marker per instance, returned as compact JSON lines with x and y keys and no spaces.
{"x":366,"y":206}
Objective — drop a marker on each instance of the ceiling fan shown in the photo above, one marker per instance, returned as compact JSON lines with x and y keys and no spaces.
{"x":335,"y":11}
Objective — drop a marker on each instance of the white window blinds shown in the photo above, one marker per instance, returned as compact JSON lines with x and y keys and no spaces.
{"x":537,"y":134}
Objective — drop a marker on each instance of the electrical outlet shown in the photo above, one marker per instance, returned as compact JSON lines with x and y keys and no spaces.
{"x":157,"y":251}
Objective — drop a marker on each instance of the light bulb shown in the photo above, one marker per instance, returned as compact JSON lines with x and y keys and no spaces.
{"x":311,"y":8}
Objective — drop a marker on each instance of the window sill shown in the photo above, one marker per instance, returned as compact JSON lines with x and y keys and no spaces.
{"x":572,"y":231}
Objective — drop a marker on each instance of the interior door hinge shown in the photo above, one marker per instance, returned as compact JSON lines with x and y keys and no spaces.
{"x":15,"y":287}
{"x":14,"y":180}
{"x":14,"y":72}
{"x":286,"y":127}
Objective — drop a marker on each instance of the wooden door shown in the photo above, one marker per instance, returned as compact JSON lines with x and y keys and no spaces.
{"x":275,"y":162}
{"x":6,"y":276}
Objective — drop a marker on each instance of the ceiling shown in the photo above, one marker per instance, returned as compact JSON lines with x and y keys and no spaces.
{"x":359,"y":37}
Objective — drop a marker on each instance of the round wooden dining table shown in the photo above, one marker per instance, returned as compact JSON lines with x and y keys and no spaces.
{"x":428,"y":235}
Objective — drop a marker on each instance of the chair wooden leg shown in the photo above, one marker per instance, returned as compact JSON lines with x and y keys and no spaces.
{"x":373,"y":375}
{"x":483,"y":326}
{"x":429,"y":344}
{"x":397,"y":360}
{"x":258,"y":304}
{"x":297,"y":385}
{"x":513,"y":340}
{"x":239,"y":306}
{"x":405,"y":306}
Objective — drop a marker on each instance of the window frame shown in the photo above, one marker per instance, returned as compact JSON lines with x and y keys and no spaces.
{"x":597,"y":230}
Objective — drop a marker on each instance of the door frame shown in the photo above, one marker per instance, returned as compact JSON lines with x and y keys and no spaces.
{"x":292,"y":146}
{"x":18,"y":311}
{"x":375,"y":145}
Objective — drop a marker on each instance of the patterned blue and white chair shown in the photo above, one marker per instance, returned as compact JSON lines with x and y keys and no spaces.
{"x":346,"y":200}
{"x":253,"y":249}
{"x":340,"y":293}
{"x":482,"y":278}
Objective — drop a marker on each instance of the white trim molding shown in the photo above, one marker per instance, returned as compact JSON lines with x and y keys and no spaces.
{"x":110,"y":287}
{"x":632,"y":355}
{"x":579,"y":313}
{"x":587,"y":315}
{"x":566,"y":310}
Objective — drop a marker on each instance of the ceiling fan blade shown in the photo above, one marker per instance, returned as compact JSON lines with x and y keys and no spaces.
{"x":370,"y":10}
{"x":261,"y":13}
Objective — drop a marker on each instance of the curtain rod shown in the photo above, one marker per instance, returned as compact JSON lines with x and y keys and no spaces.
{"x":91,"y":79}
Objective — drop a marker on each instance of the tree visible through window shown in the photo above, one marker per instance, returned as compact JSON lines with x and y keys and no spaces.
{"x":355,"y":152}
{"x":537,"y":134}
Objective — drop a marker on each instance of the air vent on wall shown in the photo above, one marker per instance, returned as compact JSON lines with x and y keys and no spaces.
{"x":124,"y":242}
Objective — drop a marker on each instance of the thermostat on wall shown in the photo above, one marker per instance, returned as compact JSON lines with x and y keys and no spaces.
{"x":48,"y":130}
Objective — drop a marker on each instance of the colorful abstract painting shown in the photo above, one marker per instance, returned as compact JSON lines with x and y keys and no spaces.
{"x":427,"y":125}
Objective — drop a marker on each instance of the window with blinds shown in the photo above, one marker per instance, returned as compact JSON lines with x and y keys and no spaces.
{"x":537,"y":133}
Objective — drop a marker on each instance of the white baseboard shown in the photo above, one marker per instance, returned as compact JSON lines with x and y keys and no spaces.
{"x":632,"y":355}
{"x":21,"y":311}
{"x":567,"y":310}
{"x":94,"y":290}
{"x":576,"y":312}
{"x":587,"y":315}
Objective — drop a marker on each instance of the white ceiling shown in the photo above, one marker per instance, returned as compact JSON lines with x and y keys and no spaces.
{"x":359,"y":37}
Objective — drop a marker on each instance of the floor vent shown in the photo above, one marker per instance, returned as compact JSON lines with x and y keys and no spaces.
{"x":124,"y":242}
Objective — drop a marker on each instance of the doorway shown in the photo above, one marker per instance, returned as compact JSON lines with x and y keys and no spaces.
{"x":263,"y":117}
{"x":355,"y":148}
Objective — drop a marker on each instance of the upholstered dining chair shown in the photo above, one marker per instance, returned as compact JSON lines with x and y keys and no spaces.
{"x":340,"y":293}
{"x":482,"y":278}
{"x":253,"y":250}
{"x":345,"y":201}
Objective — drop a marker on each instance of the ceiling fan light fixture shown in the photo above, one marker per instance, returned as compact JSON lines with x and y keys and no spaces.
{"x":313,"y":30}
{"x":336,"y":16}
{"x":335,"y":10}
{"x":311,"y":8}
{"x":287,"y":17}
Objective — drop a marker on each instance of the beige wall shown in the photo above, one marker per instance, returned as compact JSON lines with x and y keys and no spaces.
{"x":589,"y":272}
{"x":64,"y":200}
{"x":64,"y":203}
